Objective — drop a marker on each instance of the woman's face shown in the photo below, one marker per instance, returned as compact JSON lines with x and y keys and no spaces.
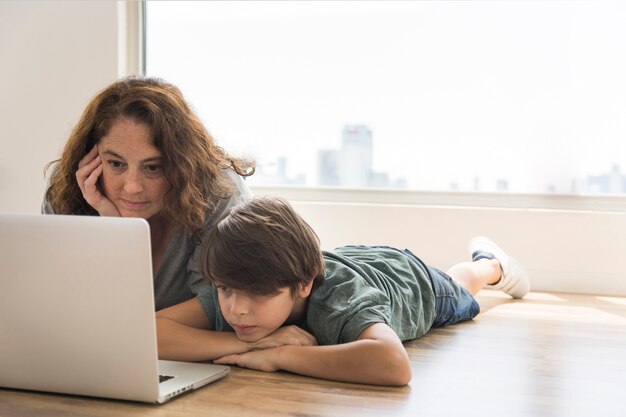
{"x":132,"y":175}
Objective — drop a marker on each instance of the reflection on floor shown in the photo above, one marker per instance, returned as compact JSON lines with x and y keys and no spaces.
{"x":546,"y":355}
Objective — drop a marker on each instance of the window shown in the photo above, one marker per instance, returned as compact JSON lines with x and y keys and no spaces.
{"x":512,"y":97}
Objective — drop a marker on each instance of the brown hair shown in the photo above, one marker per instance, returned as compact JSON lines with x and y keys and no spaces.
{"x":191,"y":160}
{"x":261,"y":246}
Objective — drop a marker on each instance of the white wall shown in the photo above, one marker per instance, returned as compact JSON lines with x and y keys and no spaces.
{"x":55,"y":55}
{"x":563,"y":250}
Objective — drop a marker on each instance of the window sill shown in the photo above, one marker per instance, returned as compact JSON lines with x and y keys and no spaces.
{"x":604,"y":203}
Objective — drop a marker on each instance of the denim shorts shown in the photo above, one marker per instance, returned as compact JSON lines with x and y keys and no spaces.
{"x":453,"y":304}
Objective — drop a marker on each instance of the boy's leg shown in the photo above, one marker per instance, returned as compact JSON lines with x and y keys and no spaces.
{"x":512,"y":277}
{"x":473,"y":276}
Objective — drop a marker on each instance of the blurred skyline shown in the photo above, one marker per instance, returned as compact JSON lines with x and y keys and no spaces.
{"x":529,"y":93}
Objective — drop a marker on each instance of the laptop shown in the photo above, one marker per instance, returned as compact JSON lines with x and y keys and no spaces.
{"x":77,"y":311}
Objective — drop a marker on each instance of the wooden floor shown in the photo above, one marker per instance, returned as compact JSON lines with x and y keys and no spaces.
{"x":547,"y":355}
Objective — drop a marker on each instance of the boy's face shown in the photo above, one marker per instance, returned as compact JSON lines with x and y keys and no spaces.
{"x":255,"y":316}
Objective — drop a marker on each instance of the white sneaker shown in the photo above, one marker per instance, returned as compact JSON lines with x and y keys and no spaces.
{"x":514,"y":279}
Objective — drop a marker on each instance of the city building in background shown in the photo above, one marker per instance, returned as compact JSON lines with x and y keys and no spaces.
{"x":350,"y":166}
{"x":613,"y":182}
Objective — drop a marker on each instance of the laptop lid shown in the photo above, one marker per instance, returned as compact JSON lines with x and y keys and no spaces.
{"x":77,"y":308}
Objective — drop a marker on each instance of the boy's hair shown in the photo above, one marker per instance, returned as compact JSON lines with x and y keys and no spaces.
{"x":261,"y":246}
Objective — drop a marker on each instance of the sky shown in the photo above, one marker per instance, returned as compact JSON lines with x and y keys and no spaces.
{"x":530,"y":92}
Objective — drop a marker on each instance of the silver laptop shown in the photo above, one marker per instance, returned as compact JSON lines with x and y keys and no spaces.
{"x":77,"y":311}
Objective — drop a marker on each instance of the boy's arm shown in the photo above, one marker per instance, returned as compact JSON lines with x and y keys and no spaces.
{"x":376,"y":357}
{"x":185,"y":334}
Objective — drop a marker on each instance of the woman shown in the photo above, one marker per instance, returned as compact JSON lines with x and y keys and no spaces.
{"x":140,"y":151}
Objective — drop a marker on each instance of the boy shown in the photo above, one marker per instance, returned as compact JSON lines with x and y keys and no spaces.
{"x":279,"y":296}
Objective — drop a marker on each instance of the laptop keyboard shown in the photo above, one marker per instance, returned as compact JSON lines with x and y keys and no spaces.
{"x":163,"y":378}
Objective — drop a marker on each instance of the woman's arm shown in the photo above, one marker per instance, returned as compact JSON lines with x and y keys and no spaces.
{"x":376,"y":357}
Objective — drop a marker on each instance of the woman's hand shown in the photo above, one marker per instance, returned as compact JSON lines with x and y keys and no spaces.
{"x":288,"y":335}
{"x":87,"y":175}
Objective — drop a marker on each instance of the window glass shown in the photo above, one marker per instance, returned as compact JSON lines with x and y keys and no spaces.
{"x":497,"y":96}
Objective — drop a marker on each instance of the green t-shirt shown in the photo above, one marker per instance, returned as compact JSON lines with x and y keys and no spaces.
{"x":364,"y":285}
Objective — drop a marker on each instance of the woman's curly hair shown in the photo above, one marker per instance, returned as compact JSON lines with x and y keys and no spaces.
{"x":192,"y":162}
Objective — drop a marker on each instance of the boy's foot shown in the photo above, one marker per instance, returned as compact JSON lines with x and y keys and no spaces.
{"x":514,"y":280}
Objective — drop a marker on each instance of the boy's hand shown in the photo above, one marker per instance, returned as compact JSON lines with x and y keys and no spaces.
{"x":288,"y":335}
{"x":87,"y":175}
{"x":259,"y":360}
